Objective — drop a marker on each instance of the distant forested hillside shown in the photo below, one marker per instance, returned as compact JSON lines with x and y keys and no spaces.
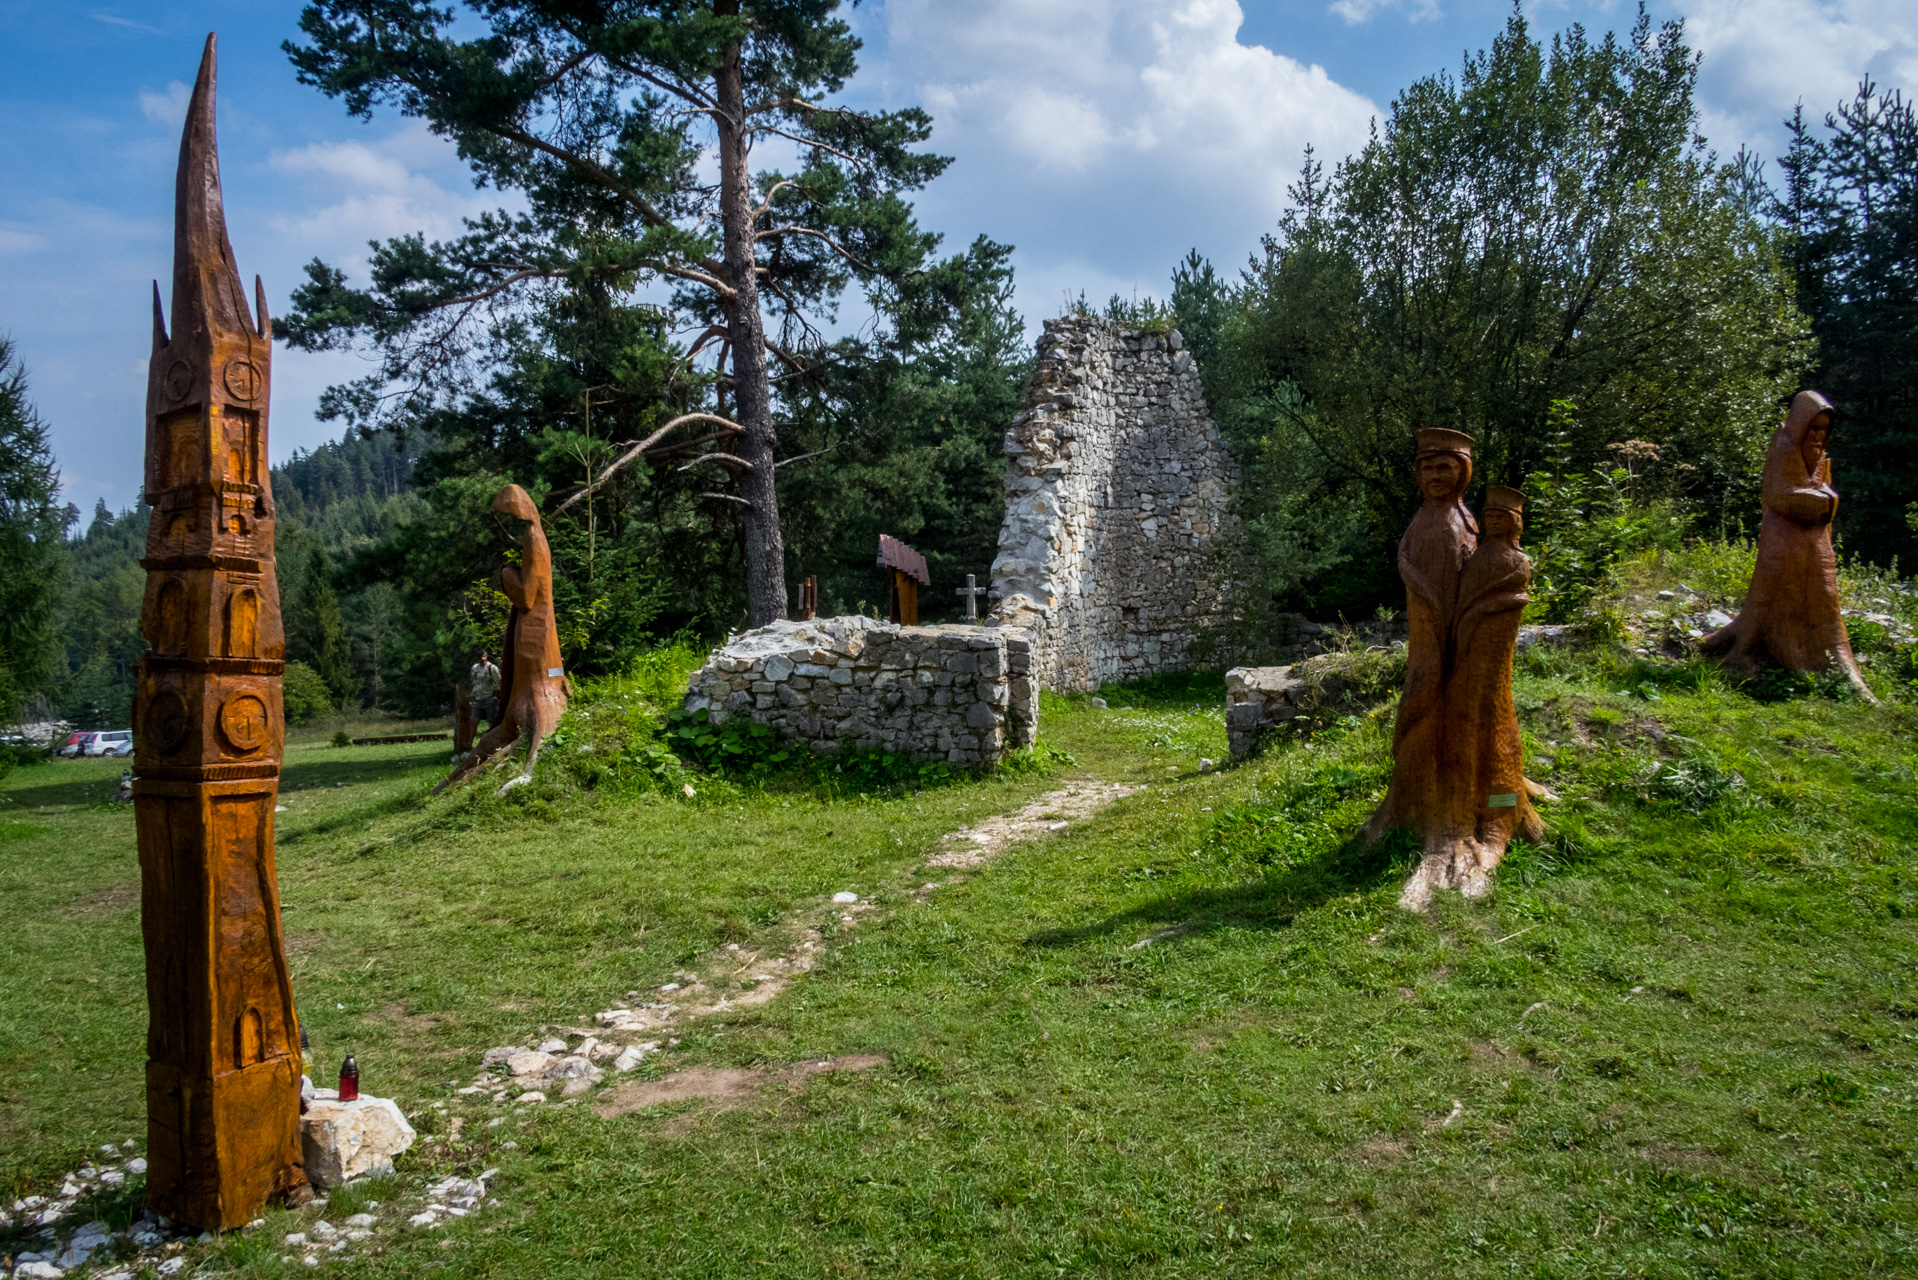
{"x":333,"y":502}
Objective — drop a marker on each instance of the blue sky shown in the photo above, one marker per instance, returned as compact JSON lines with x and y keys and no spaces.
{"x":1103,"y":138}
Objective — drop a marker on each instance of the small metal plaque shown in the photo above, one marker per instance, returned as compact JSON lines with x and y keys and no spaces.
{"x":554,"y":671}
{"x":1507,"y":801}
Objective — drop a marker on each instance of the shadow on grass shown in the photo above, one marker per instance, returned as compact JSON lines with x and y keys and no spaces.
{"x":66,"y":795}
{"x":1271,"y":902}
{"x":315,"y":774}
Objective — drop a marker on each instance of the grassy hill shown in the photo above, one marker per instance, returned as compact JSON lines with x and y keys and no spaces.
{"x":1188,"y":1034}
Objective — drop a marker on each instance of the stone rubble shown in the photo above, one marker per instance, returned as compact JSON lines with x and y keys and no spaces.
{"x":65,"y":1246}
{"x":346,"y":1140}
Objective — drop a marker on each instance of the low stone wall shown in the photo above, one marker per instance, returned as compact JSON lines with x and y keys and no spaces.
{"x":1257,"y":699}
{"x":957,"y":693}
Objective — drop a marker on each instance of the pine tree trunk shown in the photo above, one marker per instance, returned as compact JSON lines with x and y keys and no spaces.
{"x":752,"y":388}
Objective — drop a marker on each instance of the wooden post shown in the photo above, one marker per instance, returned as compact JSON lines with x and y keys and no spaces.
{"x":906,"y":570}
{"x":464,"y":727}
{"x":905,"y":599}
{"x":223,"y":1044}
{"x":808,"y":597}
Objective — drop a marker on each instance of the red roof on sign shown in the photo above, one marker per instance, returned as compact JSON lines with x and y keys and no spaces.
{"x":894,"y":554}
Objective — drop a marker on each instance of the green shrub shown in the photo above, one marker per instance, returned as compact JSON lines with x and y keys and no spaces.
{"x":1719,"y":571}
{"x":341,"y":738}
{"x":304,"y":694}
{"x":1580,"y":526}
{"x":1694,"y":781}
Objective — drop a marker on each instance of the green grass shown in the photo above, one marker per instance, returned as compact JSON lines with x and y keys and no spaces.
{"x":1678,"y":1040}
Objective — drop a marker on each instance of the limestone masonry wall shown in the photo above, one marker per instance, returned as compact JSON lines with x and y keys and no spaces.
{"x":959,"y":693}
{"x":1116,"y":494}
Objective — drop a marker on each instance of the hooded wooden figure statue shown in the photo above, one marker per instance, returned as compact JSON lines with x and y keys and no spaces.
{"x":533,"y":686}
{"x":1791,"y":616}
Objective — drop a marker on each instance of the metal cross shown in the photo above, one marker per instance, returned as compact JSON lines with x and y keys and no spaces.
{"x":972,"y":593}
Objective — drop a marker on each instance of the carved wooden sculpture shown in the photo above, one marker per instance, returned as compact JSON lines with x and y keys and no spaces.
{"x":533,"y":687}
{"x":1457,"y":766}
{"x":1482,"y":757}
{"x":1441,"y":537}
{"x":223,"y":1046}
{"x":1791,"y":616}
{"x":907,"y":570}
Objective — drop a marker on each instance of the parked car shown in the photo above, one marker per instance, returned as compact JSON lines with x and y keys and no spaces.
{"x":109,"y":742}
{"x":72,"y":746}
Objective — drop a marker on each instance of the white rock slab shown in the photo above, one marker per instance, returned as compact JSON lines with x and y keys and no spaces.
{"x":347,"y":1139}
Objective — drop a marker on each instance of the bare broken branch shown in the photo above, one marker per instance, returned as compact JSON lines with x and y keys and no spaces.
{"x":641,"y":446}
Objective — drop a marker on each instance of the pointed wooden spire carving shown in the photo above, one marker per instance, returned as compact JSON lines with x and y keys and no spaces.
{"x":223,"y":1058}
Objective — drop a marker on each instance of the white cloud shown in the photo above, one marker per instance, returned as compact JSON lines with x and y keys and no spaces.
{"x":16,"y":241}
{"x":1106,"y":136}
{"x":370,"y":191}
{"x":1763,"y":55}
{"x":168,"y":108}
{"x":113,"y":21}
{"x":1356,"y":12}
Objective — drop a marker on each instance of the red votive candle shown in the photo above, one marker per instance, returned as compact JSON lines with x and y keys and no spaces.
{"x":349,"y":1080}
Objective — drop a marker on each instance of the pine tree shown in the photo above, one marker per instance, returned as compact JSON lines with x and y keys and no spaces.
{"x":1849,"y":209}
{"x":32,"y":520}
{"x":631,"y":129}
{"x":321,"y":636}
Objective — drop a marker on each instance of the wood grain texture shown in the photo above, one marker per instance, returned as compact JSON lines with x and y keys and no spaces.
{"x":1791,"y":617}
{"x":1458,"y":779}
{"x":223,"y":1061}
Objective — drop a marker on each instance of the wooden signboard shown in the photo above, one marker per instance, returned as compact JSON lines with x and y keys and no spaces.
{"x":907,"y":570}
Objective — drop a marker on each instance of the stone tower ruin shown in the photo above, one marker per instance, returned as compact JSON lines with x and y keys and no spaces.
{"x":1118,"y":485}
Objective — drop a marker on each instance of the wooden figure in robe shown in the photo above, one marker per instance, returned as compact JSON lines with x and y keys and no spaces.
{"x":1791,"y":616}
{"x":1458,"y":779}
{"x":223,"y":1045}
{"x":534,"y":688}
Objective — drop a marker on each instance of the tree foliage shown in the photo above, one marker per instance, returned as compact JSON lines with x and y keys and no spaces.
{"x":32,"y":521}
{"x":1849,"y":210}
{"x":1544,"y":226}
{"x":630,"y":131}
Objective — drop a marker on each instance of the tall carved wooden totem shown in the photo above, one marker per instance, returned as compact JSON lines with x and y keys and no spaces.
{"x":223,"y":1057}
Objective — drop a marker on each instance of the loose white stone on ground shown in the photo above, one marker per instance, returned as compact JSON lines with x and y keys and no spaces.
{"x":346,"y":1139}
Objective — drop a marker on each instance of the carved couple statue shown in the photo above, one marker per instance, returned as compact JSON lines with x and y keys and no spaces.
{"x":1458,"y":778}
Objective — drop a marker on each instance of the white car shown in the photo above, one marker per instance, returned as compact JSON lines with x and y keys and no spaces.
{"x":108,"y":742}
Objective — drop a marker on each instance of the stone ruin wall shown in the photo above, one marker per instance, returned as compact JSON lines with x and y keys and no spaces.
{"x":1117,"y":489}
{"x":963,"y":694}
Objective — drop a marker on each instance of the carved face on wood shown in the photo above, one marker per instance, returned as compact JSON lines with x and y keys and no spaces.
{"x":1501,"y":525}
{"x":1812,"y":448}
{"x":1442,"y":476}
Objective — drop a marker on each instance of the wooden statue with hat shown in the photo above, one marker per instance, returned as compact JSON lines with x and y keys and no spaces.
{"x":1458,"y":779}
